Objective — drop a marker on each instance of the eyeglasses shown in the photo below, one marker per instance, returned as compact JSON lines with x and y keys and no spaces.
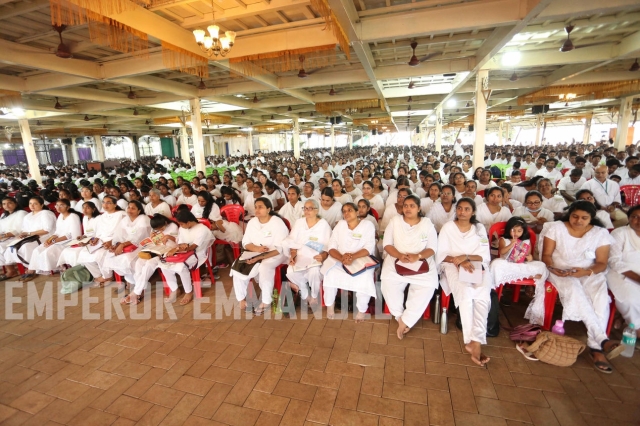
{"x":310,"y":209}
{"x":533,"y":203}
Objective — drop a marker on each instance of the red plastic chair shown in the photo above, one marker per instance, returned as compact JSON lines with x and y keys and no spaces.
{"x":563,"y":171}
{"x":375,"y":214}
{"x":523,"y":173}
{"x":175,"y":209}
{"x":480,"y":193}
{"x":196,"y":279}
{"x":612,"y":313}
{"x":234,"y":213}
{"x":550,"y":295}
{"x":631,"y":194}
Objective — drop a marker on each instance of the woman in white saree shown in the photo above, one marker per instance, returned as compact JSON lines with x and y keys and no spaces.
{"x":351,"y":239}
{"x":411,"y":239}
{"x":10,"y":227}
{"x":576,"y":251}
{"x":69,"y":255}
{"x":461,"y":242}
{"x":624,"y":269}
{"x":68,"y":227}
{"x":133,"y":228}
{"x":444,"y":211}
{"x":309,"y":238}
{"x":330,"y":210}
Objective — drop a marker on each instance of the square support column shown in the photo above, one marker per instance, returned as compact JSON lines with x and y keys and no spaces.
{"x":480,"y":120}
{"x":30,"y":150}
{"x":196,"y":135}
{"x":624,"y":116}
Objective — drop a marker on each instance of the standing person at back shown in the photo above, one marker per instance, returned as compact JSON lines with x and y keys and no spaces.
{"x":607,"y":193}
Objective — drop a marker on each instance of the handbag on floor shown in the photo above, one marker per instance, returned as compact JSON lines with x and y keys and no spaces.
{"x":554,"y":349}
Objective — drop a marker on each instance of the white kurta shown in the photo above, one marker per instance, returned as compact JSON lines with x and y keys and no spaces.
{"x":133,"y":232}
{"x":43,"y":220}
{"x":332,"y":215}
{"x":439,"y":216}
{"x":292,"y":213}
{"x":624,"y":257}
{"x":583,"y":299}
{"x":163,"y":208}
{"x":11,"y":224}
{"x":529,"y":218}
{"x":45,"y":259}
{"x":144,"y":268}
{"x":409,"y":239}
{"x":315,"y":237}
{"x":484,"y":215}
{"x":555,"y":204}
{"x":233,"y":231}
{"x":346,"y":240}
{"x":191,"y":200}
{"x":375,"y":203}
{"x":96,"y":202}
{"x":518,"y":193}
{"x":106,"y":227}
{"x":271,"y":235}
{"x":69,"y":255}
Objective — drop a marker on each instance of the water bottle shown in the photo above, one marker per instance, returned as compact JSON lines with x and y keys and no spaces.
{"x":436,"y":310}
{"x":629,"y":341}
{"x":444,"y":327}
{"x":558,"y":328}
{"x":275,"y":302}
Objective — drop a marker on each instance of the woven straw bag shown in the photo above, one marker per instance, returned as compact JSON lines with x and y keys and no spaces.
{"x":553,"y":349}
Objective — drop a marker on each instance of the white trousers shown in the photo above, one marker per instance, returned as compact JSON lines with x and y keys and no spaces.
{"x":172,"y":270}
{"x":305,"y":279}
{"x":264,"y":274}
{"x":362,"y":299}
{"x":45,"y":259}
{"x":143,"y":270}
{"x":627,"y":295}
{"x":11,"y":255}
{"x":417,"y":300}
{"x":94,"y":262}
{"x":473,"y":316}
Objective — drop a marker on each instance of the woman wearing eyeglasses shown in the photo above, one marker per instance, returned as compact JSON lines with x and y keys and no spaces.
{"x":532,"y":211}
{"x":308,"y":240}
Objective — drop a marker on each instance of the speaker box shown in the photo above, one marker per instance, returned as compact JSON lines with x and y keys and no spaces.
{"x":418,"y":129}
{"x":374,"y":132}
{"x":67,"y":141}
{"x":471,"y":127}
{"x":539,"y":109}
{"x":335,"y":120}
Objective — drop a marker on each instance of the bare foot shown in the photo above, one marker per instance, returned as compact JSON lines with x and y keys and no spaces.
{"x":242,"y":305}
{"x":475,"y":349}
{"x":312,"y":302}
{"x":172,"y":297}
{"x":331,"y":312}
{"x":188,"y":297}
{"x":537,"y":277}
{"x":402,"y":329}
{"x":360,"y":317}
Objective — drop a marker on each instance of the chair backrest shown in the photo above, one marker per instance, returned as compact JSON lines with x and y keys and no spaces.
{"x":499,"y":227}
{"x":205,"y":222}
{"x":631,"y":194}
{"x":523,"y":173}
{"x":480,"y":193}
{"x":563,"y":171}
{"x":375,"y":214}
{"x":233,"y":212}
{"x":175,"y":209}
{"x":286,"y":222}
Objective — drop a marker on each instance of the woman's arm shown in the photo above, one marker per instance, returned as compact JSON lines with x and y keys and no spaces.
{"x":263,"y":256}
{"x":598,"y":266}
{"x":335,"y":254}
{"x":256,"y":248}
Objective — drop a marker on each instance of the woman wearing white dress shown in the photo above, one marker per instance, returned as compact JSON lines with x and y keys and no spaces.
{"x":532,"y":211}
{"x":87,"y":195}
{"x":624,"y":269}
{"x":157,"y":204}
{"x":222,"y":229}
{"x":445,"y":210}
{"x":375,"y":200}
{"x":68,"y":227}
{"x":250,"y":200}
{"x":394,"y":210}
{"x":433,"y":196}
{"x":164,"y":232}
{"x":106,"y":227}
{"x":515,"y":263}
{"x":470,"y":187}
{"x":10,"y":227}
{"x":187,"y":196}
{"x":292,"y":211}
{"x":121,"y":202}
{"x":410,"y":238}
{"x":553,"y":203}
{"x":351,"y":188}
{"x":379,"y":188}
{"x":603,"y":215}
{"x":364,"y":213}
{"x":40,"y":222}
{"x":275,"y":194}
{"x":312,"y":233}
{"x":576,"y":251}
{"x":330,"y":210}
{"x":64,"y":194}
{"x":69,"y":255}
{"x":192,"y":236}
{"x":341,"y":195}
{"x":351,"y":239}
{"x":461,"y":242}
{"x":166,"y":195}
{"x":265,"y":234}
{"x":492,"y":211}
{"x":132,"y":229}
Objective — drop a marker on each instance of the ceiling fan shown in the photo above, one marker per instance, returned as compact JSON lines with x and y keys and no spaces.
{"x":86,"y":118}
{"x":568,"y":45}
{"x":334,"y":92}
{"x":414,"y":61}
{"x":63,"y":50}
{"x":302,"y":73}
{"x":58,"y":105}
{"x":132,"y":95}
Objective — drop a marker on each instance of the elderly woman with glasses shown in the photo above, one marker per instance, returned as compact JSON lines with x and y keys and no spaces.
{"x":307,"y":244}
{"x":532,"y":211}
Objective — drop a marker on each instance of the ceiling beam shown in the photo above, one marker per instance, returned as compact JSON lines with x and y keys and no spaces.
{"x":249,"y":12}
{"x":22,"y":8}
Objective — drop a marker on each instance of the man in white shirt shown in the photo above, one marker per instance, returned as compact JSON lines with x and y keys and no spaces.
{"x":629,"y":162}
{"x":457,"y":148}
{"x":533,"y":168}
{"x":570,"y":184}
{"x":633,"y":177}
{"x":607,"y":194}
{"x":491,"y":160}
{"x":550,"y":172}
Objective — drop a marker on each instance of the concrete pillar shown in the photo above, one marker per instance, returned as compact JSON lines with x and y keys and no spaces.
{"x":136,"y":147}
{"x":65,"y":158}
{"x":538,"y":128}
{"x":587,"y":129}
{"x":480,"y":120}
{"x":196,"y":135}
{"x":99,"y":148}
{"x":30,"y":150}
{"x":423,"y":136}
{"x":250,"y":142}
{"x":333,"y":139}
{"x":74,"y":151}
{"x":184,"y":145}
{"x":624,"y":116}
{"x":176,"y":150}
{"x":212,"y":146}
{"x":506,"y":136}
{"x":439,"y":129}
{"x":296,"y":138}
{"x":500,"y":133}
{"x":351,"y":139}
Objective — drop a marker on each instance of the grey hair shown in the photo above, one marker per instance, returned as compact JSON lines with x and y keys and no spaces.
{"x":155,"y":191}
{"x":315,"y":203}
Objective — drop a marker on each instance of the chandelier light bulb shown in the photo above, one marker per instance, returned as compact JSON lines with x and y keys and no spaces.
{"x":231,"y":35}
{"x":199,"y":35}
{"x":214,"y":31}
{"x":224,"y":43}
{"x":208,"y":42}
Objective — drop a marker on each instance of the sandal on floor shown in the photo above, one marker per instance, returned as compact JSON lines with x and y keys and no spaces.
{"x":4,"y":277}
{"x":127,"y":299}
{"x":528,"y":355}
{"x":27,"y":277}
{"x":613,"y":352}
{"x":259,"y":311}
{"x":601,"y":366}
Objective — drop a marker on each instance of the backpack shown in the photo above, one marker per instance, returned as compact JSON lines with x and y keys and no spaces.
{"x":496,"y":172}
{"x":73,"y":278}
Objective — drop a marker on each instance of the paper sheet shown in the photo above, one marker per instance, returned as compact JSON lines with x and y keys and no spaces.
{"x":305,"y":260}
{"x":95,"y":248}
{"x":474,"y":277}
{"x":249,"y":255}
{"x":359,"y":264}
{"x":414,"y":266}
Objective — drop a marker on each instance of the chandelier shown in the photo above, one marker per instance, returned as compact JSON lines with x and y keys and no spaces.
{"x":213,"y":44}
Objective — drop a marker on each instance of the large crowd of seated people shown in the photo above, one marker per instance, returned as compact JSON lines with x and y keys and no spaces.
{"x":431,"y":219}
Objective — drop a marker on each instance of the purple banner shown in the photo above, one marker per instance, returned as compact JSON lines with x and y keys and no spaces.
{"x":84,"y":154}
{"x":14,"y":156}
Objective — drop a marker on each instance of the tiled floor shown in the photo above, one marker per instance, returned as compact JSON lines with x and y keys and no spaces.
{"x":288,"y":372}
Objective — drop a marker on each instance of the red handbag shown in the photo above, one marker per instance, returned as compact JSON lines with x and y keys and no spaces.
{"x":129,"y":249}
{"x":180,"y":258}
{"x":406,"y":272}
